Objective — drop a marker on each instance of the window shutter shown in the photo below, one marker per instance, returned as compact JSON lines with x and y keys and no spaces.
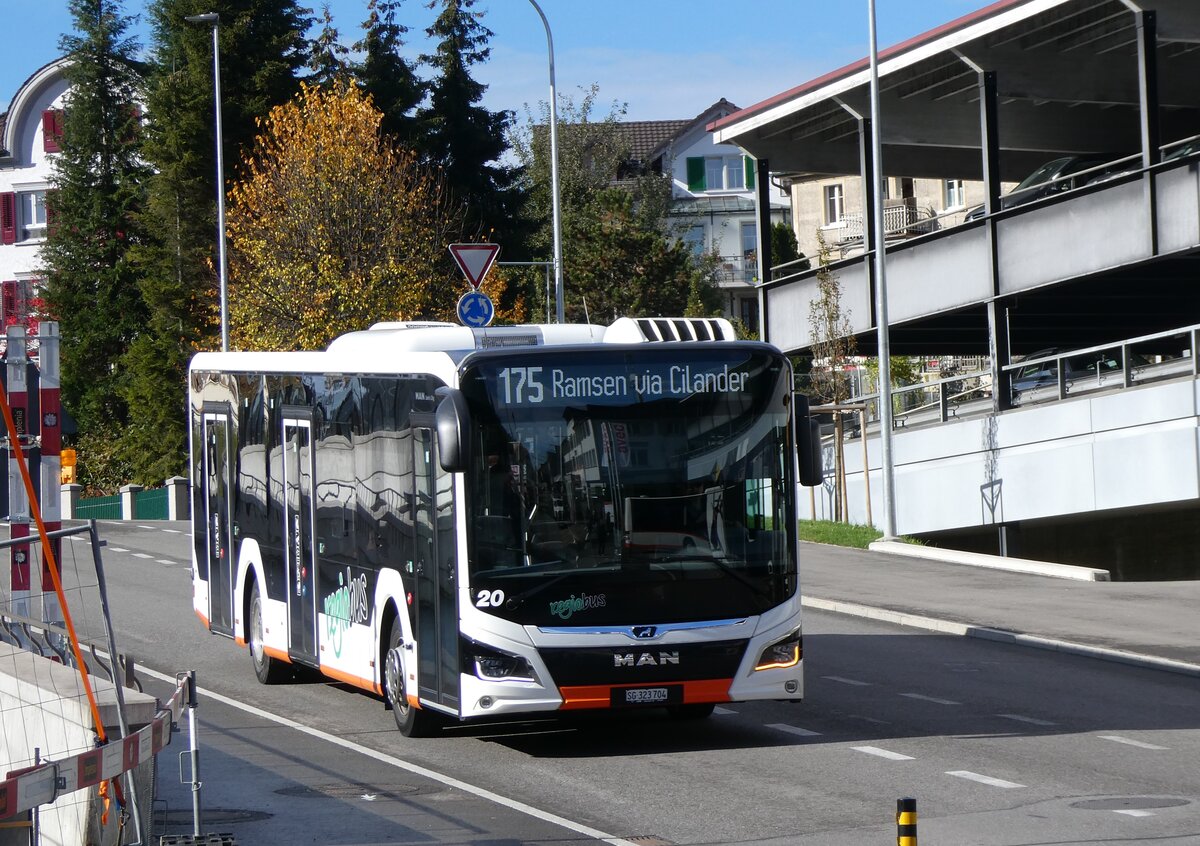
{"x":695,"y":173}
{"x":749,"y":173}
{"x":52,"y":130}
{"x":8,"y":302}
{"x":8,"y":218}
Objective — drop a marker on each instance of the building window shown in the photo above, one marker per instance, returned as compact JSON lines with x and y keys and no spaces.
{"x":835,"y":204}
{"x":748,"y":309}
{"x":52,"y":130}
{"x":953,"y":194}
{"x":32,"y":211}
{"x":694,"y":238}
{"x":749,"y":239}
{"x":720,"y":173}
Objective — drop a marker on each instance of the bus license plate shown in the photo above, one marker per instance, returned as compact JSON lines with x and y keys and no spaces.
{"x":671,"y":694}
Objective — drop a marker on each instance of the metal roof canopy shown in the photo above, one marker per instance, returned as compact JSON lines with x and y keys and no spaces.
{"x":1067,"y":78}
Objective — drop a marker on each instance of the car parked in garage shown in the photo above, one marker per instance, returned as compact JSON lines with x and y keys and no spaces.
{"x":1051,"y":178}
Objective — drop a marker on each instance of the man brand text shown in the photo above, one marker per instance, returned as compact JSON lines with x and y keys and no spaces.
{"x":644,"y":659}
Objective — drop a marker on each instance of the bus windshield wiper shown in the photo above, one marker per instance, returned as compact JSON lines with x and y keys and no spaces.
{"x":725,"y":567}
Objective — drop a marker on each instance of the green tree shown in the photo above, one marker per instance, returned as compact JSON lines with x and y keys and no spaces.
{"x":387,"y":76}
{"x":328,"y":58}
{"x":465,"y":139}
{"x":785,"y":249}
{"x":262,"y":49}
{"x":91,"y":284}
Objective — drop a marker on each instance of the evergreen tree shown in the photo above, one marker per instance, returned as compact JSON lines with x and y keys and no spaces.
{"x":327,"y":57}
{"x":388,"y":77}
{"x":466,"y":139}
{"x":262,"y":49}
{"x":91,"y":284}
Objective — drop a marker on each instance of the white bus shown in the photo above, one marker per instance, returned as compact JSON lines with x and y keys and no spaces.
{"x":442,"y":515}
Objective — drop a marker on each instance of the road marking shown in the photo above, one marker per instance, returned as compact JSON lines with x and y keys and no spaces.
{"x":1135,"y":813}
{"x":117,"y":549}
{"x":982,"y":779}
{"x":869,"y":719}
{"x":724,"y":712}
{"x":882,"y":753}
{"x":1033,"y":721}
{"x":794,"y":730}
{"x":166,"y":561}
{"x":933,"y":699}
{"x":147,"y":527}
{"x":841,"y":680}
{"x":399,"y":763}
{"x":1116,"y":738}
{"x":142,"y":555}
{"x":172,"y":531}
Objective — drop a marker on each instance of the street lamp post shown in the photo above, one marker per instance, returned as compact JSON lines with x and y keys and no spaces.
{"x":222,"y":267}
{"x":881,"y":311}
{"x":557,"y":216}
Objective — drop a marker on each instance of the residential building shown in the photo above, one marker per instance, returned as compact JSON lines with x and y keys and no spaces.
{"x":29,"y":134}
{"x":713,"y":190}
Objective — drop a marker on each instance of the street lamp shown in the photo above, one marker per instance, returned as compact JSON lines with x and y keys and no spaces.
{"x":222,"y":270}
{"x":881,"y":312}
{"x":558,"y":270}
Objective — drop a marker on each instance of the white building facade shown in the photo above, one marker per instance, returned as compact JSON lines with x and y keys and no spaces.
{"x":30,"y":135}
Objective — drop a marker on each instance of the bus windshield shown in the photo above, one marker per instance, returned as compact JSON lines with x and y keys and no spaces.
{"x":628,"y":486}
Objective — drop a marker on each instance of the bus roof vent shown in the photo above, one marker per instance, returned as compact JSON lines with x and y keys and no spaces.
{"x":639,"y":330}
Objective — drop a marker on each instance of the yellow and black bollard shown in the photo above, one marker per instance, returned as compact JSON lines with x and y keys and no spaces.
{"x":906,"y":822}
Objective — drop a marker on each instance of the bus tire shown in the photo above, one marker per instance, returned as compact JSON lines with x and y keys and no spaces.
{"x":411,"y":720}
{"x":693,"y":711}
{"x":268,"y":670}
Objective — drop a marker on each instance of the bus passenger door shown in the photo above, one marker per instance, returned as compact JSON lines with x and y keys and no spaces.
{"x":437,"y":607}
{"x":299,"y":517}
{"x":219,"y":545}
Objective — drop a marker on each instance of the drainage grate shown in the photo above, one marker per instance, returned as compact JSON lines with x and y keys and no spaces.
{"x":198,"y":840}
{"x":649,"y":840}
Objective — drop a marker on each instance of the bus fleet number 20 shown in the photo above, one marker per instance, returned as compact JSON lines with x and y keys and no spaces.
{"x":489,"y":599}
{"x":522,"y":384}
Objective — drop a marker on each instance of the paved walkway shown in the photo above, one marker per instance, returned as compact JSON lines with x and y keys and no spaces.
{"x":1149,"y":623}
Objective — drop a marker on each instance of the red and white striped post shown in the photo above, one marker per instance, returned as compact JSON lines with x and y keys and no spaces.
{"x":51,"y":430}
{"x":18,"y":502}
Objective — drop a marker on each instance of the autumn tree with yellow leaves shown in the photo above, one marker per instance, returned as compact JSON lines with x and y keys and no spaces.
{"x":334,"y":228}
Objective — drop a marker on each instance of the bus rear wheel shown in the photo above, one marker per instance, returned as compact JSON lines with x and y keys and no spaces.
{"x":411,"y":720}
{"x":268,"y":670}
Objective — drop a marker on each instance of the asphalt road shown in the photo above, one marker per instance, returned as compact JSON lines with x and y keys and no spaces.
{"x":999,"y":744}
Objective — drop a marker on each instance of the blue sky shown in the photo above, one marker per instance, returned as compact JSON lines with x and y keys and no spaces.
{"x":665,"y":59}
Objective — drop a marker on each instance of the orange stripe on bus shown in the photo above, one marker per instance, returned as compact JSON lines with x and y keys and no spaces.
{"x":351,"y":679}
{"x":200,"y":614}
{"x":600,"y":695}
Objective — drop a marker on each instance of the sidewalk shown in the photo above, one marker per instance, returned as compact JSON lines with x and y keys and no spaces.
{"x":1147,"y":623}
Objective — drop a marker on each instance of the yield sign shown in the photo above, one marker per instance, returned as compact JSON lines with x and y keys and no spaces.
{"x":474,"y":260}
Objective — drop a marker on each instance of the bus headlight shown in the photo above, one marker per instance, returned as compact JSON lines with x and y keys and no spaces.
{"x":491,"y":664}
{"x":782,"y":653}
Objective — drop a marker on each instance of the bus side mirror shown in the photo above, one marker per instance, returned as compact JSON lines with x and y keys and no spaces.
{"x":453,"y":424}
{"x":808,"y":443}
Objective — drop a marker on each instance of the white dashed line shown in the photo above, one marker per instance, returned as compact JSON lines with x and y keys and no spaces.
{"x":1115,"y":738}
{"x":142,"y":555}
{"x":933,"y":699}
{"x":794,"y":730}
{"x":982,"y":779}
{"x":1033,"y":721}
{"x":147,"y":527}
{"x":173,"y":531}
{"x":882,"y":753}
{"x":1135,"y":813}
{"x":117,"y":549}
{"x":166,"y":561}
{"x":723,"y":712}
{"x":841,"y":680}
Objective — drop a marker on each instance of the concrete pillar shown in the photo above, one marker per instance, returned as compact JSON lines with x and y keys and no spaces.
{"x":70,"y":500}
{"x":177,"y":498}
{"x":128,"y":501}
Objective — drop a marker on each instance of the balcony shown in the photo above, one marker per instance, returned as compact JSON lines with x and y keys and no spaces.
{"x":901,"y":219}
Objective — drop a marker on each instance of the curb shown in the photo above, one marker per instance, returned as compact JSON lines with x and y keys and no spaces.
{"x":992,"y":562}
{"x":1000,"y":635}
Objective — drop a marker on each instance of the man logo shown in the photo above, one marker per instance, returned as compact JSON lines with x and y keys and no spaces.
{"x":644,"y":632}
{"x":644,"y":659}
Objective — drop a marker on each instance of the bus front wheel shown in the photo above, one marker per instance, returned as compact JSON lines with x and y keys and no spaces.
{"x":411,"y":720}
{"x":268,"y":670}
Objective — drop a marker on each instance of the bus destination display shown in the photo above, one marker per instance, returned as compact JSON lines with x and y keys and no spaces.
{"x":549,"y":385}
